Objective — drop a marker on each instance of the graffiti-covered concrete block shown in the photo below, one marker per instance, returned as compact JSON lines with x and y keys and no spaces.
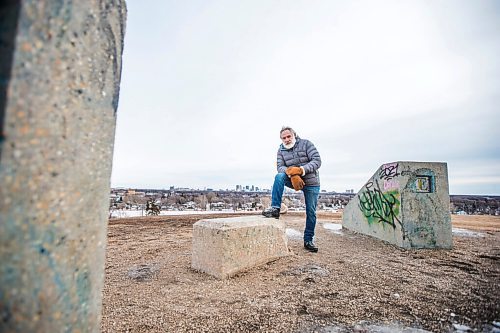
{"x":406,"y":204}
{"x":223,"y":247}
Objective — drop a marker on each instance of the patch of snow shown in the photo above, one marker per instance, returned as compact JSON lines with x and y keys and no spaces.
{"x":293,"y":234}
{"x":334,"y":227}
{"x":394,"y":329}
{"x":136,"y":213}
{"x":364,"y":326}
{"x":461,"y":328}
{"x":126,"y":213}
{"x":466,"y":233}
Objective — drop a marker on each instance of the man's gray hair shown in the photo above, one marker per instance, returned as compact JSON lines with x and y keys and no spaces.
{"x":288,"y":128}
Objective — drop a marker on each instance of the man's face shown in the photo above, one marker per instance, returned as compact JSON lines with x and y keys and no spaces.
{"x":287,"y":137}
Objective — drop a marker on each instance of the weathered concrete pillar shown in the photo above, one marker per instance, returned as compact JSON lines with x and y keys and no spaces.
{"x":406,"y":204}
{"x":59,"y":86}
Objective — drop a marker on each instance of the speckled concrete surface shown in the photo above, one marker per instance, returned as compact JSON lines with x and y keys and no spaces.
{"x":55,"y":164}
{"x":225,"y":246}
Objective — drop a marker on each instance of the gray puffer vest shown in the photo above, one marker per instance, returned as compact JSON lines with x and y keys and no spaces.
{"x":303,"y":154}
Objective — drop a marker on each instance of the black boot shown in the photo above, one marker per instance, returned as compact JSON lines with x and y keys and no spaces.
{"x":309,"y":246}
{"x":272,"y":212}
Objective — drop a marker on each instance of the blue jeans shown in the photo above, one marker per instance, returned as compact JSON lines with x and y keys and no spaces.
{"x":311,"y":194}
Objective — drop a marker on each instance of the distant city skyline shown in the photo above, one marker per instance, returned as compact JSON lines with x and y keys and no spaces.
{"x":207,"y":85}
{"x":236,"y":188}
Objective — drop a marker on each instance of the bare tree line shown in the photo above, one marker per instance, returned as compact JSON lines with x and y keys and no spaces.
{"x":459,"y":204}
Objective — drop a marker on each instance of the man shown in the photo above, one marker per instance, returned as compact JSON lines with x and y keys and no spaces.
{"x":298,"y":164}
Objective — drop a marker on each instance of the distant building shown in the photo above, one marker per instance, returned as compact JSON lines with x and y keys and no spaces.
{"x":217,"y":205}
{"x":189,"y":205}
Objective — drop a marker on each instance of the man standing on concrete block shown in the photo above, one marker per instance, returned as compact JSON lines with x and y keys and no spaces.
{"x":297,"y":165}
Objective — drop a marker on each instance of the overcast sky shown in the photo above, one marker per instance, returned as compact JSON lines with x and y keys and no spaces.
{"x":207,"y":85}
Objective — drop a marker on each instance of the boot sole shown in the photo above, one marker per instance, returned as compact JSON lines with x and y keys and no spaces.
{"x":311,"y":250}
{"x":270,"y":216}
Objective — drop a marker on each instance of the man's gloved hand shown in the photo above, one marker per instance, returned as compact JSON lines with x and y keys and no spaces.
{"x":293,"y":171}
{"x":297,"y":182}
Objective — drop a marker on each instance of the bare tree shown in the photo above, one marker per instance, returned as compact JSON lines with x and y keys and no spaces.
{"x":265,"y":201}
{"x":201,"y":201}
{"x":211,"y":197}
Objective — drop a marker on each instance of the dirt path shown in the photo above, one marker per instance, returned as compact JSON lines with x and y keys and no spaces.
{"x":150,"y":286}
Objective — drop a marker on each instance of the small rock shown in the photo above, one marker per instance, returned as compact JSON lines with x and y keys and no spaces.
{"x":142,"y":272}
{"x":309,"y":279}
{"x":303,"y":310}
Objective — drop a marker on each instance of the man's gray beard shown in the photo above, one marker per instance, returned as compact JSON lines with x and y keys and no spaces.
{"x":291,"y":144}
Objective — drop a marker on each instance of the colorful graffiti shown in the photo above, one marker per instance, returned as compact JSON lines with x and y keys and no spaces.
{"x":390,"y":184}
{"x":378,"y":206}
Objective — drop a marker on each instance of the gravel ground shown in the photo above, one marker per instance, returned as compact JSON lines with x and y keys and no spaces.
{"x":354,"y":283}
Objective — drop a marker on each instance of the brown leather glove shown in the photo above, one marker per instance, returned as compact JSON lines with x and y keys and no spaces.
{"x":297,"y":183}
{"x":292,"y":171}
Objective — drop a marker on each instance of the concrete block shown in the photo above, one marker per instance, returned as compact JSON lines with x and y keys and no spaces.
{"x":406,"y":204}
{"x":225,"y":246}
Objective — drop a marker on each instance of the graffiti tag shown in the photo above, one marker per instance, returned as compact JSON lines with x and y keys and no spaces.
{"x":389,"y":171}
{"x":390,"y":184}
{"x":378,"y":206}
